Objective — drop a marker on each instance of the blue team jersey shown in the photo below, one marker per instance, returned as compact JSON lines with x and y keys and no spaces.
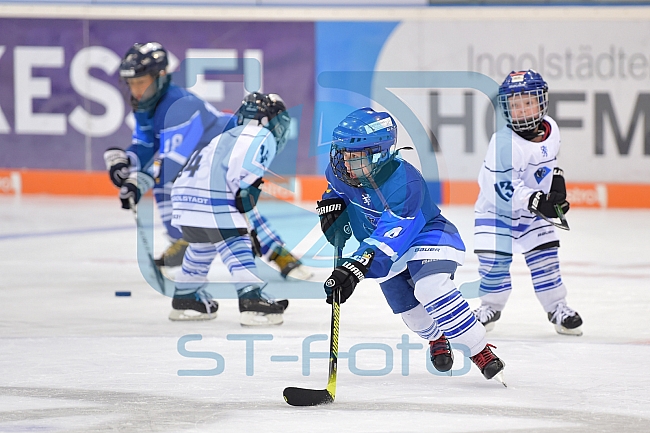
{"x":181,"y":123}
{"x":396,"y":218}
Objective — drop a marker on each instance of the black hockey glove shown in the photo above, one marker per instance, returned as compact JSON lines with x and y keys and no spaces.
{"x":543,"y":203}
{"x":117,"y":164}
{"x":246,"y":198}
{"x":559,"y":186}
{"x":134,"y":187}
{"x":347,"y":275}
{"x":334,"y":219}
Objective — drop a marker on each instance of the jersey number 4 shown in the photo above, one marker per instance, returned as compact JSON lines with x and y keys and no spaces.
{"x":193,"y":166}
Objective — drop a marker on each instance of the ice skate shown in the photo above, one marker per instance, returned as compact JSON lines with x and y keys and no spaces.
{"x":173,"y":256}
{"x":261,"y":311}
{"x":290,"y":266}
{"x":566,"y":320}
{"x":487,"y":316}
{"x":194,"y":306}
{"x":490,"y":365}
{"x":442,"y":357}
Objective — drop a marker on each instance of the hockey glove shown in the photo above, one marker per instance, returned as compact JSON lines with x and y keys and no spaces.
{"x":545,"y":203}
{"x":134,"y":187}
{"x":346,"y":276}
{"x":117,"y":164}
{"x":246,"y":198}
{"x":334,"y":219}
{"x":559,"y":186}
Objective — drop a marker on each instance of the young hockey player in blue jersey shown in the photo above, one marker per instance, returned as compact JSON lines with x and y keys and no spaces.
{"x":521,"y":187}
{"x":405,"y":242}
{"x":170,"y":124}
{"x":212,"y":198}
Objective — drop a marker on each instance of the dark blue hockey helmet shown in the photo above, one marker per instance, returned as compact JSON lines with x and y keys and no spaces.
{"x":362,"y":144}
{"x":269,"y":111}
{"x":523,"y":99}
{"x":147,"y":59}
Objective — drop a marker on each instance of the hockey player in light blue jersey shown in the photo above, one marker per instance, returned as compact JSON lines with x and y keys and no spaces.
{"x":521,"y":189}
{"x":405,"y":242}
{"x":212,"y":198}
{"x":170,"y":123}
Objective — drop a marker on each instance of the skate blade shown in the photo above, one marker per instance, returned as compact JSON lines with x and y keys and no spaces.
{"x":300,"y":273}
{"x":500,"y":378}
{"x":253,"y":318}
{"x":190,"y":315}
{"x":565,"y":331}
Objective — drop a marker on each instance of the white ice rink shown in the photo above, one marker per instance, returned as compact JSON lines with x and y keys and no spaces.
{"x":76,"y":358}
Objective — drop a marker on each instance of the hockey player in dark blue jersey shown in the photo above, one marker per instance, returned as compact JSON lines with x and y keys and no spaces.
{"x":405,"y":243}
{"x":170,"y":124}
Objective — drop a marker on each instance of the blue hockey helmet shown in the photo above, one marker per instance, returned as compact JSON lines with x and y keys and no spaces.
{"x":523,"y":99}
{"x":362,"y":144}
{"x":146,"y":59}
{"x":270,"y":111}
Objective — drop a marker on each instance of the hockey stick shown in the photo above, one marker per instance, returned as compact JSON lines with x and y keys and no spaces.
{"x":563,"y":224}
{"x":159,"y":278}
{"x":313,"y":397}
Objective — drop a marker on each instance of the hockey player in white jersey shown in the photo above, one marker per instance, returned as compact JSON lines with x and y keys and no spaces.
{"x":170,"y":123}
{"x":212,"y":197}
{"x":520,"y":180}
{"x":405,"y":243}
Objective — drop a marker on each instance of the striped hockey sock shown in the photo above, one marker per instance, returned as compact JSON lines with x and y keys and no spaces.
{"x":544,"y":268}
{"x":496,"y":283}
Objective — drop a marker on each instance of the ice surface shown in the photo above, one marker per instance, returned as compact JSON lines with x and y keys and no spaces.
{"x":76,"y":358}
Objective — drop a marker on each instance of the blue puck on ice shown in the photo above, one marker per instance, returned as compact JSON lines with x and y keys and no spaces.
{"x":122,"y":293}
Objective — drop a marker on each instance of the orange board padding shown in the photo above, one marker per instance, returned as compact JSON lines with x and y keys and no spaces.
{"x":310,"y":188}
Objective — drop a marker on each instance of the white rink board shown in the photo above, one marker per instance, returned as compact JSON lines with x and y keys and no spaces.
{"x":599,"y":69}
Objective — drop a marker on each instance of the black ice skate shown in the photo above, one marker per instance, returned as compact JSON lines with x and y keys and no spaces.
{"x":173,"y":256}
{"x":489,"y":364}
{"x":566,"y":320}
{"x":487,"y":316}
{"x":194,"y":306}
{"x":259,"y":311}
{"x":442,"y":357}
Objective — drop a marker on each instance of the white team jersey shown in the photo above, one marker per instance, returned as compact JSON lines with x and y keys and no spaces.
{"x":204,"y":193}
{"x":513,"y":169}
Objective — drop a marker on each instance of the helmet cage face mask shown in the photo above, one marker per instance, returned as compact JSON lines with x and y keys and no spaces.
{"x":146,"y":59}
{"x":523,"y":100}
{"x":524,"y":122}
{"x":270,"y":112}
{"x":362,"y":144}
{"x":359,"y":166}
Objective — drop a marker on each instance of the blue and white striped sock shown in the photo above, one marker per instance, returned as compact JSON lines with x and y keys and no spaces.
{"x":237,"y":255}
{"x":196,"y":265}
{"x":496,"y":283}
{"x":162,"y":195}
{"x":544,"y":268}
{"x":270,"y":241}
{"x":419,"y":321}
{"x":447,"y":307}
